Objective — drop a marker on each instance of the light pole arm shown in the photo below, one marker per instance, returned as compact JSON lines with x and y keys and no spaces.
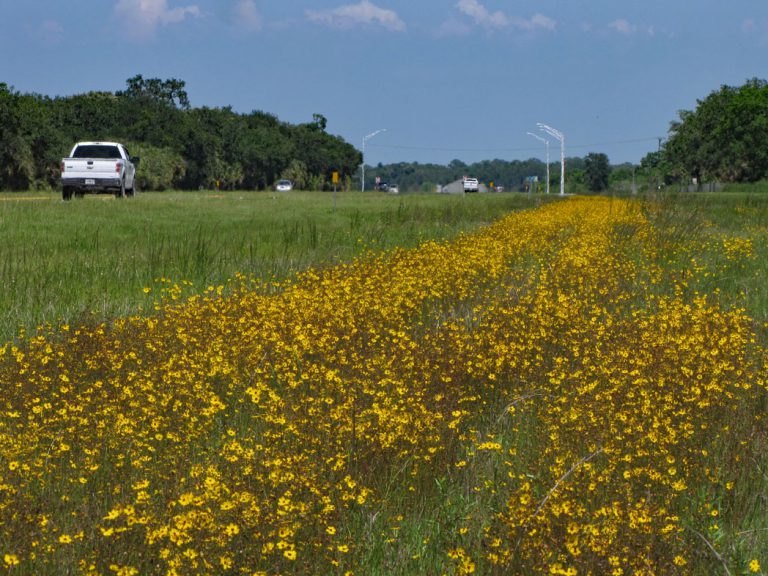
{"x":365,"y":139}
{"x":561,"y":137}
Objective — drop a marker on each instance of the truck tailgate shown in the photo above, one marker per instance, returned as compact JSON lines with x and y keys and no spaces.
{"x":83,"y":167}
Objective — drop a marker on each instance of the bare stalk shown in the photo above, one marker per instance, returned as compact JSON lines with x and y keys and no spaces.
{"x":564,"y":476}
{"x":712,"y":548}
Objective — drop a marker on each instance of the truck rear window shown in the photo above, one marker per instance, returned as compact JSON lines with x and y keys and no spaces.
{"x":96,"y":151}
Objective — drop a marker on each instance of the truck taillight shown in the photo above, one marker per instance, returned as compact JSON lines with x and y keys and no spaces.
{"x":62,"y":167}
{"x":117,"y":167}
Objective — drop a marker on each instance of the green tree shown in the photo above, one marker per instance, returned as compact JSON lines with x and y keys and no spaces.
{"x":169,"y":92}
{"x":296,"y":173}
{"x":323,"y":153}
{"x":597,"y":171}
{"x":725,"y":138}
{"x":30,"y":141}
{"x":265,"y":149}
{"x":17,"y":165}
{"x":153,"y":111}
{"x":159,"y":169}
{"x":203,"y":148}
{"x":319,"y":121}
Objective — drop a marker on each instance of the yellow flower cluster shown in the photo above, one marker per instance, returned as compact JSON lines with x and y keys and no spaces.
{"x":738,"y":248}
{"x":238,"y":431}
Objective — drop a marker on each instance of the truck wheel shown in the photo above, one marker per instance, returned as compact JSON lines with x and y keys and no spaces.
{"x":66,"y":193}
{"x":121,"y":192}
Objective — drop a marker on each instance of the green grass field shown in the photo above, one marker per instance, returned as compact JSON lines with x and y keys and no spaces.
{"x":91,"y":259}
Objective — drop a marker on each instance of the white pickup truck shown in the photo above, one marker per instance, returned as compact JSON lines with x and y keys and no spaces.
{"x":471,"y":184}
{"x":98,"y":167}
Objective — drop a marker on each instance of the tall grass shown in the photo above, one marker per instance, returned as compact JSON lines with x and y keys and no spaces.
{"x":92,"y":258}
{"x":719,"y":242}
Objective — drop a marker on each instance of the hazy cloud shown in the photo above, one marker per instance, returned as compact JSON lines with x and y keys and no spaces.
{"x":622,"y":27}
{"x":537,"y":21}
{"x":626,"y":28}
{"x":481,"y":15}
{"x":142,"y":17}
{"x":352,"y":15}
{"x":247,"y":16}
{"x":487,"y":19}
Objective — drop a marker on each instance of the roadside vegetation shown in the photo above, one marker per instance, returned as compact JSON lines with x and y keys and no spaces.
{"x":574,"y":388}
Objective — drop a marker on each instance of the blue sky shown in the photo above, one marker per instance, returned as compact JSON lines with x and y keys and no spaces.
{"x":447,"y":79}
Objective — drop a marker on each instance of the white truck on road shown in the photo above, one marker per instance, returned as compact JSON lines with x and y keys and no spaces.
{"x":471,"y":184}
{"x":98,"y":167}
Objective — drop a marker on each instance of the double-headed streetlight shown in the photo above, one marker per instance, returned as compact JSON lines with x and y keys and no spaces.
{"x":546,"y":145}
{"x":557,"y":135}
{"x":365,"y":139}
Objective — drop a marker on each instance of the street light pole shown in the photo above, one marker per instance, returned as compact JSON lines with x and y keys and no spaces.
{"x":546,"y":146}
{"x":365,"y":139}
{"x":557,"y":135}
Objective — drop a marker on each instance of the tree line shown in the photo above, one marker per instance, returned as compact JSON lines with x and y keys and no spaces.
{"x":724,"y":139}
{"x":593,"y":173}
{"x":190,"y":148}
{"x":180,"y":146}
